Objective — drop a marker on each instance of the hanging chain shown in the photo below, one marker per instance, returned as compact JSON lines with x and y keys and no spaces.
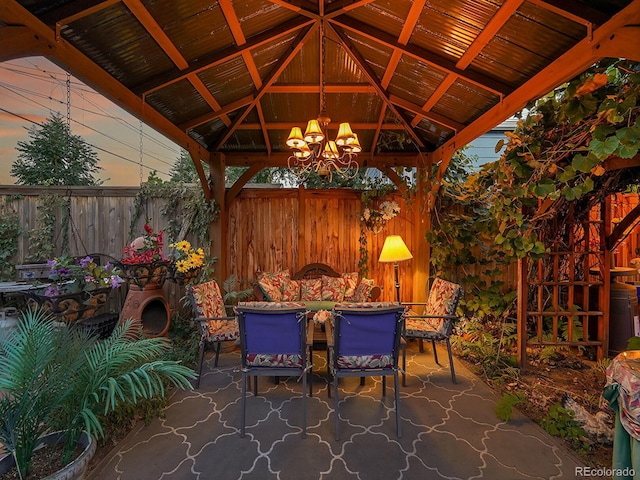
{"x":68,"y":146}
{"x":141,"y":152}
{"x":323,"y":105}
{"x":69,"y":101}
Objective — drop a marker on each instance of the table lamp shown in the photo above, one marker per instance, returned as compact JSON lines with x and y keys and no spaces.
{"x":394,"y":250}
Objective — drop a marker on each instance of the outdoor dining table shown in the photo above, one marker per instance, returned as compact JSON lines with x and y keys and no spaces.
{"x":622,"y":391}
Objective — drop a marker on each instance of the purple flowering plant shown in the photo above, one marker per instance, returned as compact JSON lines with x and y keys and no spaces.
{"x":72,"y":275}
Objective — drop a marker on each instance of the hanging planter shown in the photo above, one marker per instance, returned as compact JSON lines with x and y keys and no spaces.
{"x":143,"y":264}
{"x":186,"y":263}
{"x":145,"y":275}
{"x":184,"y":278}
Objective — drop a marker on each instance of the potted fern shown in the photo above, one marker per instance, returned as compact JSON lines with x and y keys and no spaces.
{"x":57,"y":380}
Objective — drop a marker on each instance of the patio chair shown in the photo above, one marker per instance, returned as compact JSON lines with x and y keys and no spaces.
{"x":273,"y":340}
{"x":214,"y":324}
{"x":436,"y":321}
{"x":365,"y":343}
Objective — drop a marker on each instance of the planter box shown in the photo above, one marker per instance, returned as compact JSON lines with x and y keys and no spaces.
{"x":33,"y":271}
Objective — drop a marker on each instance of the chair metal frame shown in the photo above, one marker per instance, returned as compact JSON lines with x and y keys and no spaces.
{"x":263,"y":332}
{"x":365,"y":332}
{"x":430,"y":334}
{"x":203,"y":328}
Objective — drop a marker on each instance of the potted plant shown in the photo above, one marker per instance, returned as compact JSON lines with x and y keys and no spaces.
{"x":143,"y":263}
{"x":57,"y":380}
{"x":78,"y":288}
{"x":186,"y":262}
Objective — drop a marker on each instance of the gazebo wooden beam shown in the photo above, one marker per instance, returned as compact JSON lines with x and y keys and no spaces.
{"x":383,"y":38}
{"x":403,"y":39}
{"x":197,"y":156}
{"x":247,"y":175}
{"x":217,"y":58}
{"x":368,"y":72}
{"x":156,"y":32}
{"x":502,"y":16}
{"x":296,"y":46}
{"x":380,"y":160}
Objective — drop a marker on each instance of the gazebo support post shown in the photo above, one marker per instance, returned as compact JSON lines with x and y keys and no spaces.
{"x":218,"y":231}
{"x":422,"y":224}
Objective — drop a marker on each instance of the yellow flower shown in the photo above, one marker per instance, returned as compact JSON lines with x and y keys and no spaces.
{"x":186,"y":258}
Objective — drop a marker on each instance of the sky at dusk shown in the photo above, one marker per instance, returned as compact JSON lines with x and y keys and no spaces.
{"x":31,"y":89}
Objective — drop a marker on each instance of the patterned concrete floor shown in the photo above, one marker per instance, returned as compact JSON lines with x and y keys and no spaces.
{"x":449,"y":432}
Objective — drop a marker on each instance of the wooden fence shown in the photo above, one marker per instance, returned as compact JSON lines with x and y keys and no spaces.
{"x":268,"y":229}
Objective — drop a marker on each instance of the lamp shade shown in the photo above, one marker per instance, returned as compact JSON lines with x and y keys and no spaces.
{"x":394,"y":250}
{"x":354,"y":144}
{"x":345,"y":135}
{"x":313,"y":134}
{"x":295,"y":139}
{"x":303,"y":152}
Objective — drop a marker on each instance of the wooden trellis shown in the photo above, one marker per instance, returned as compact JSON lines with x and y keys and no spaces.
{"x":564,"y":298}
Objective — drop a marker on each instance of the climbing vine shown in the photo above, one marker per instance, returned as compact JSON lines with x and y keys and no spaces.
{"x":42,"y":237}
{"x":186,"y":209}
{"x":10,"y":231}
{"x":553,"y":167}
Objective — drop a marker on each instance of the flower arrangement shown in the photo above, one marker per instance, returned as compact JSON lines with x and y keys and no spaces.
{"x":144,"y":249}
{"x":143,"y":263}
{"x":376,"y":219}
{"x":321,"y":316}
{"x":187,"y":258}
{"x":72,"y":275}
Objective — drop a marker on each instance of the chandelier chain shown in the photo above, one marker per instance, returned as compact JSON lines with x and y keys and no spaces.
{"x":323,"y":44}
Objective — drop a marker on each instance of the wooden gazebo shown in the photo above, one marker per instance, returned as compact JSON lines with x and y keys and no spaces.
{"x":227,"y":80}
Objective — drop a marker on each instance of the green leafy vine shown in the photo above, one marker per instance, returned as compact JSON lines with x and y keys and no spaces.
{"x":42,"y":237}
{"x":186,"y":209}
{"x":10,"y":231}
{"x":554,"y":167}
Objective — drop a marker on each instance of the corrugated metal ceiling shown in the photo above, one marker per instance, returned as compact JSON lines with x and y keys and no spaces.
{"x":426,"y":69}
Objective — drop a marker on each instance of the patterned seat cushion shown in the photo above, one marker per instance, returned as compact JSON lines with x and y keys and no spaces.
{"x":274,"y":360}
{"x":365,"y":362}
{"x":443,"y":300}
{"x":271,"y":305}
{"x":209,"y":304}
{"x":364,"y":304}
{"x":419,"y":328}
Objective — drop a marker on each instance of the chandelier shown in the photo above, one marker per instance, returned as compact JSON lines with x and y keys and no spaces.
{"x":314,"y":152}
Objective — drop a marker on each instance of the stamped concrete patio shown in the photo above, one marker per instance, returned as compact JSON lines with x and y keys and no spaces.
{"x":449,"y":432}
